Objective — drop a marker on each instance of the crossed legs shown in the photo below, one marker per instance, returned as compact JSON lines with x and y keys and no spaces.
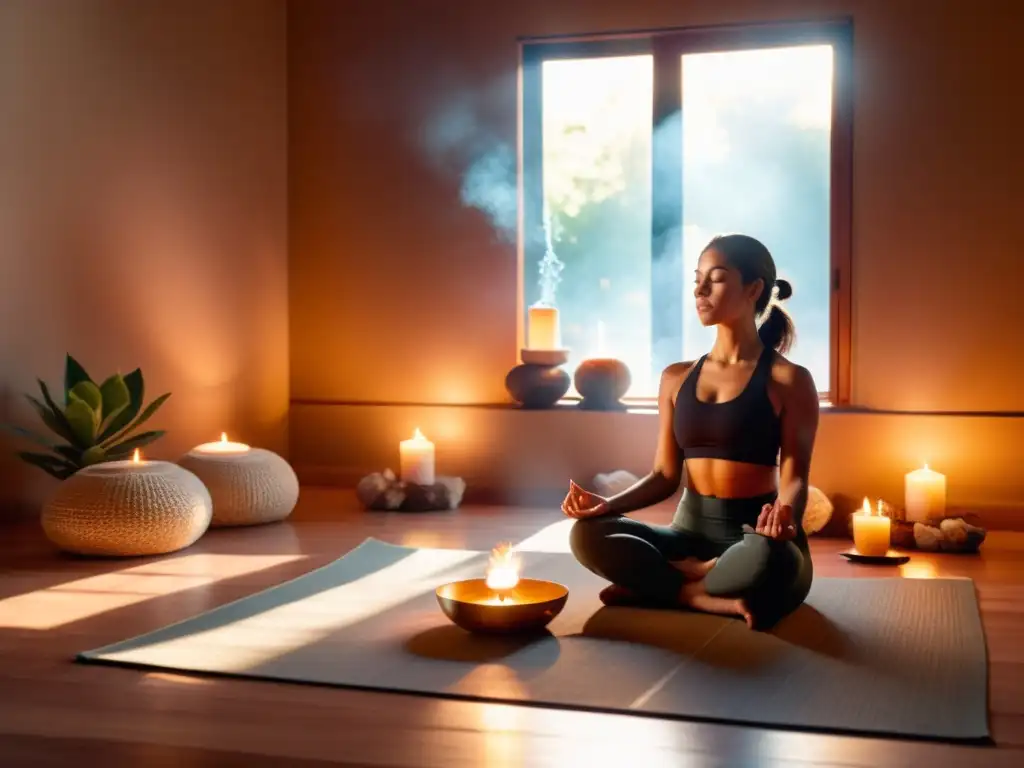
{"x":757,"y":578}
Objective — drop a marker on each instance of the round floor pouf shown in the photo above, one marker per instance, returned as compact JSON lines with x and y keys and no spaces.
{"x":128,"y":508}
{"x":248,"y":488}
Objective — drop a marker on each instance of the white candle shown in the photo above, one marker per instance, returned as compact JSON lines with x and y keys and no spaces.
{"x":924,"y":495}
{"x":543,"y":328}
{"x":222,"y":447}
{"x":416,"y":457}
{"x":872,"y":532}
{"x":134,"y":464}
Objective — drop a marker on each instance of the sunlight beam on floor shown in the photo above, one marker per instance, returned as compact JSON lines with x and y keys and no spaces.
{"x":62,"y":604}
{"x":244,"y":644}
{"x":550,"y":538}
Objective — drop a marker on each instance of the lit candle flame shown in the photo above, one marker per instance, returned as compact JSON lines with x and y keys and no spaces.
{"x":503,"y":569}
{"x":223,"y":437}
{"x":136,"y":459}
{"x":417,"y":435}
{"x":867,"y":510}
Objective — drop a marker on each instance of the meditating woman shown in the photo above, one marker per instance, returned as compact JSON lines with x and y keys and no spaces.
{"x":741,"y":421}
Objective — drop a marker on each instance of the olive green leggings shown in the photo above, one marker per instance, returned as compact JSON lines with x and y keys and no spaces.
{"x":774,"y":577}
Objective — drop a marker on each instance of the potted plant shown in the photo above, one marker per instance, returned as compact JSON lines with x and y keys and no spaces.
{"x":93,"y":424}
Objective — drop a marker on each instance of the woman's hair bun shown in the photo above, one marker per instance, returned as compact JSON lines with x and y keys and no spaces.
{"x":783,"y":289}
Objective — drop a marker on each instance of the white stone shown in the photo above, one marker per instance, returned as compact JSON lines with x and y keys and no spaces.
{"x":817,"y":512}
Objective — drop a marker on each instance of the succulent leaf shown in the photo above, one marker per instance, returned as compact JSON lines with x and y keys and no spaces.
{"x":136,"y":389}
{"x":58,"y":414}
{"x":54,"y":420}
{"x":94,"y":455}
{"x":84,"y":421}
{"x":90,"y":393}
{"x":143,"y":417}
{"x":52,"y":465}
{"x":28,"y":434}
{"x":74,"y":373}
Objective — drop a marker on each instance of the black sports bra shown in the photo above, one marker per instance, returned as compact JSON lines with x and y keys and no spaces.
{"x":744,"y":429}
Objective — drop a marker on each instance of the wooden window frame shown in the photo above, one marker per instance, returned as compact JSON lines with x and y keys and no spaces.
{"x":667,"y":47}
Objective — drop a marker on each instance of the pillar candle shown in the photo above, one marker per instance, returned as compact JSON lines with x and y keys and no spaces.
{"x":872,"y":532}
{"x":924,"y":495}
{"x":416,"y":457}
{"x":543,"y":328}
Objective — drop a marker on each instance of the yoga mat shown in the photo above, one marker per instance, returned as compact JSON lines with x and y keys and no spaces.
{"x":890,"y":656}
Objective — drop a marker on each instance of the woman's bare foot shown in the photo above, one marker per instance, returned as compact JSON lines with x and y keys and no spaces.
{"x":694,"y":569}
{"x":694,"y":596}
{"x":613,"y":594}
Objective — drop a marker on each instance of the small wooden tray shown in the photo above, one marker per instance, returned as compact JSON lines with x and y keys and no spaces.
{"x":892,"y":558}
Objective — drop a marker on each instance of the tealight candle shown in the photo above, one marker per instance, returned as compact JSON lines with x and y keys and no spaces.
{"x":416,"y":457}
{"x":872,"y":532}
{"x":543,"y":330}
{"x":924,"y":495}
{"x":223,"y":447}
{"x":135,"y":463}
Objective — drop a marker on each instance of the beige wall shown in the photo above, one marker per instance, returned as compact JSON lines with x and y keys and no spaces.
{"x":143,"y":222}
{"x":143,"y":211}
{"x":401,"y":295}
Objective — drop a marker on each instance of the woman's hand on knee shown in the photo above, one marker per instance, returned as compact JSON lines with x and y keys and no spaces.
{"x":581,"y":504}
{"x":776,"y":522}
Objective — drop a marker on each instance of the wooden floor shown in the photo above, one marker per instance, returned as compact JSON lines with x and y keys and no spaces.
{"x":56,"y":712}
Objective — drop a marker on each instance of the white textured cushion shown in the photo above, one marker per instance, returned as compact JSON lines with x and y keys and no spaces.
{"x":119,"y":509}
{"x":249,"y":488}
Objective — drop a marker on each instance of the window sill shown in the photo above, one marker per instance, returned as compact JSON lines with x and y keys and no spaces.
{"x":639,"y":406}
{"x":644,"y":405}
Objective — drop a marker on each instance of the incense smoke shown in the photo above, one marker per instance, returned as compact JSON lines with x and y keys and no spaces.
{"x":550,"y":265}
{"x":459,"y":140}
{"x":489,"y":185}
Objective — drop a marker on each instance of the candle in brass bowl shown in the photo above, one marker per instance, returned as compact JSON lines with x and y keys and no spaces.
{"x":502,"y":603}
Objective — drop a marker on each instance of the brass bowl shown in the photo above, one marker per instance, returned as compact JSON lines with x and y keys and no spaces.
{"x":528,"y":607}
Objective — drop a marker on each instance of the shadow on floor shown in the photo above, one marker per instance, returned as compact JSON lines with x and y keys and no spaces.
{"x":454,"y":644}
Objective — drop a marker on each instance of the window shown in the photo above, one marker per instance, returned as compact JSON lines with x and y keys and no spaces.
{"x":636,"y":150}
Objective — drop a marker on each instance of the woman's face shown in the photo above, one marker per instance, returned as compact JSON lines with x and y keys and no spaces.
{"x":720,"y":293}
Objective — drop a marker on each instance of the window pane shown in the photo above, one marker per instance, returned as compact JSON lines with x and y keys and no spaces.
{"x":597,"y":190}
{"x":756,"y":156}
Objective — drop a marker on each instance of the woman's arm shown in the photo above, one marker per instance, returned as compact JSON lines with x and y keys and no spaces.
{"x":799,"y":429}
{"x":667,"y":472}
